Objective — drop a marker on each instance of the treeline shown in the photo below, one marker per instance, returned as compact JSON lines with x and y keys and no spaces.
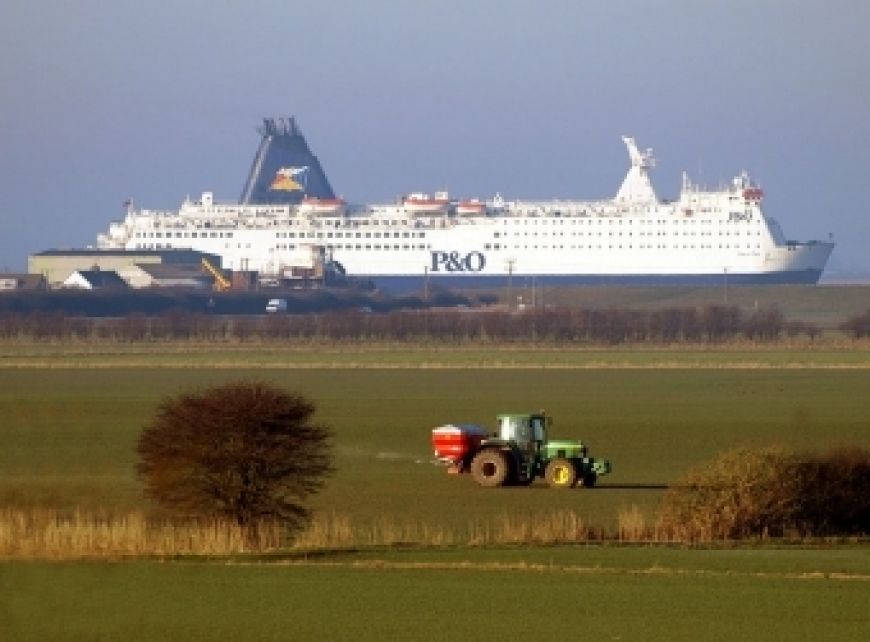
{"x":712,"y":324}
{"x":857,"y":326}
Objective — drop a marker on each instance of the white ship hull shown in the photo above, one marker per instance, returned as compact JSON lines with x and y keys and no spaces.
{"x":704,"y":236}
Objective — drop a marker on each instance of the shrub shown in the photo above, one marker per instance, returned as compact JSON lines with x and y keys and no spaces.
{"x":835,"y":492}
{"x":771,"y":492}
{"x":742,"y":493}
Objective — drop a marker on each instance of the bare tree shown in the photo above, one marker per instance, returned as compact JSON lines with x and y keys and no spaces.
{"x":244,"y":451}
{"x":858,"y":325}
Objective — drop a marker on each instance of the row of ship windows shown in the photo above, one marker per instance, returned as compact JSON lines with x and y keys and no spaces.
{"x":170,"y":246}
{"x":350,"y":235}
{"x":546,"y":234}
{"x":323,"y":221}
{"x":291,"y":235}
{"x":329,"y":222}
{"x":735,"y":217}
{"x":358,"y":246}
{"x":517,"y":220}
{"x":185,"y":235}
{"x":660,"y":246}
{"x":396,"y":235}
{"x":487,"y":246}
{"x":497,"y":246}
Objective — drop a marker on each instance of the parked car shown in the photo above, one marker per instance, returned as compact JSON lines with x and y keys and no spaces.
{"x":276,"y":305}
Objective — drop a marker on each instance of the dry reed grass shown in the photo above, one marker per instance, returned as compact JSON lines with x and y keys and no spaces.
{"x":49,"y":534}
{"x":632,"y":526}
{"x":335,"y":532}
{"x":749,"y":500}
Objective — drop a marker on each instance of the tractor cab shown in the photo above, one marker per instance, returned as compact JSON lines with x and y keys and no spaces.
{"x":528,"y":432}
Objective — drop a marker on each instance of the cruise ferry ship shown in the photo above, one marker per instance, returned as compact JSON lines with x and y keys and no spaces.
{"x":288,"y":213}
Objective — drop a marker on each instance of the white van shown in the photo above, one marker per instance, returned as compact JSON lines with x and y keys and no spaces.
{"x":276,"y":305}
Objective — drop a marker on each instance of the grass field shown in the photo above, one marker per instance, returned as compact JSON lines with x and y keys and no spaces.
{"x":70,"y":433}
{"x":603,"y":593}
{"x":70,"y":416}
{"x":829,"y":354}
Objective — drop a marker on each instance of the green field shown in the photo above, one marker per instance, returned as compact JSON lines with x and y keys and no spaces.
{"x":70,"y":433}
{"x":827,"y":354}
{"x":601,"y":593}
{"x":70,"y":416}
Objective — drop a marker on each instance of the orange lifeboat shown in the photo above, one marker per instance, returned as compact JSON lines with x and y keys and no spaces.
{"x":753,"y":194}
{"x":419,"y":203}
{"x":322,"y":206}
{"x":471,"y":207}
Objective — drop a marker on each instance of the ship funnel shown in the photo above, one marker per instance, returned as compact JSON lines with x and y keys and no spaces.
{"x":284,"y":170}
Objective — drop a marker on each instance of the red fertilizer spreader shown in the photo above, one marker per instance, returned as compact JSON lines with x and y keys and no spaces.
{"x":454,"y":443}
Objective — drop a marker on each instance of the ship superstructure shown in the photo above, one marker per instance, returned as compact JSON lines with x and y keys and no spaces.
{"x":288,"y":212}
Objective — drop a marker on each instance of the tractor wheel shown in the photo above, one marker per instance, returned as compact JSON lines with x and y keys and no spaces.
{"x":560,"y":473}
{"x":490,"y":468}
{"x":589,"y":480}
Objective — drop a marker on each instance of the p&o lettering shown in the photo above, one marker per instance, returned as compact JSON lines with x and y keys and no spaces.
{"x":455,"y":262}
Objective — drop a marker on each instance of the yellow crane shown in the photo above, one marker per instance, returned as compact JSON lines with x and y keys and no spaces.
{"x":221,"y":282}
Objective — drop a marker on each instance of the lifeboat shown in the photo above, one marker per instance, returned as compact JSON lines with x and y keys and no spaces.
{"x":419,"y":203}
{"x":472,"y":207}
{"x":753,"y":194}
{"x":321,"y":206}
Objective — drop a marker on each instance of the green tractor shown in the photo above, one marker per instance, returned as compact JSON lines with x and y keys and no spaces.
{"x":517,"y":454}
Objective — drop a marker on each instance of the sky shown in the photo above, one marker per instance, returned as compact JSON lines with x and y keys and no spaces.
{"x":101,"y":101}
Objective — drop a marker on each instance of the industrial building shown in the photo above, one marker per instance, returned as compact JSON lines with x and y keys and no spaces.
{"x":95,"y":280}
{"x":56,"y":266}
{"x":13,"y":282}
{"x":167,"y":275}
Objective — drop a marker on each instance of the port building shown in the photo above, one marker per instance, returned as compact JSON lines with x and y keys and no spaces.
{"x":56,"y":266}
